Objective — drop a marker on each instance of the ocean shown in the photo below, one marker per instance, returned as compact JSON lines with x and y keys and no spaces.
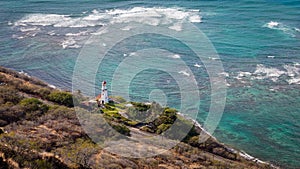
{"x":257,"y":41}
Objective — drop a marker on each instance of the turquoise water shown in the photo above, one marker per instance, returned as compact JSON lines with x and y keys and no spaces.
{"x":258,"y":42}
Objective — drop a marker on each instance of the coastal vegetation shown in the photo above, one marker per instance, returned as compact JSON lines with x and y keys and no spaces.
{"x":40,"y":129}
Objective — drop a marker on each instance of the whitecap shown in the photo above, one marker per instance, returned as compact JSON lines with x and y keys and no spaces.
{"x":295,"y":80}
{"x":28,"y":29}
{"x":242,"y":75}
{"x":213,"y":58}
{"x":225,"y":74}
{"x":195,"y":19}
{"x":100,"y":32}
{"x":176,"y":56}
{"x":272,"y":24}
{"x":83,"y":33}
{"x":126,"y":28}
{"x":197,"y":65}
{"x":132,"y":54}
{"x":292,"y":31}
{"x":75,"y":46}
{"x":184,"y":73}
{"x":176,"y":26}
{"x":94,"y":17}
{"x":292,"y":70}
{"x":263,"y":72}
{"x":68,"y":42}
{"x":51,"y":33}
{"x":42,"y":19}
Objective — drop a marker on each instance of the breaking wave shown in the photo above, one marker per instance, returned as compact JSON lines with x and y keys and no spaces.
{"x":289,"y":72}
{"x":292,"y":31}
{"x":87,"y":23}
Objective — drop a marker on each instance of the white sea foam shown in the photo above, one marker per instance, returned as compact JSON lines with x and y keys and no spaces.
{"x":295,"y":80}
{"x":272,"y":24}
{"x":51,"y":33}
{"x":68,"y":42}
{"x":197,"y":65}
{"x":213,"y":58}
{"x":176,"y":56}
{"x":29,"y":29}
{"x":52,"y":86}
{"x":100,"y":32}
{"x":263,"y":72}
{"x":176,"y":26}
{"x":132,"y":54}
{"x":152,"y":16}
{"x":292,"y":31}
{"x":83,"y":33}
{"x":271,"y":56}
{"x":291,"y":73}
{"x":84,"y":25}
{"x":126,"y":28}
{"x":242,"y":75}
{"x":225,"y":74}
{"x":195,"y":19}
{"x":42,"y":19}
{"x":184,"y":73}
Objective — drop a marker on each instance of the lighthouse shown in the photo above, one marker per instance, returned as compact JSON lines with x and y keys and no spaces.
{"x":104,"y":94}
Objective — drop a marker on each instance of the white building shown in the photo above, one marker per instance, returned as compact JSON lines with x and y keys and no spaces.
{"x":104,"y":94}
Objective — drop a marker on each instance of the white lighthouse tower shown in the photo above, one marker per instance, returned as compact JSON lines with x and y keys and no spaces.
{"x":104,"y":94}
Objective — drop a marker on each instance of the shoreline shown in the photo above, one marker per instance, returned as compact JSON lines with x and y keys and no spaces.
{"x":240,"y":152}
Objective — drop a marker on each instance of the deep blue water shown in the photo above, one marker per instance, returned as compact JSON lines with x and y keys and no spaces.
{"x":258,"y":42}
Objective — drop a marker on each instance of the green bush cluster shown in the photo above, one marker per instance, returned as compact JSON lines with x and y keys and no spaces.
{"x":141,"y":107}
{"x":121,"y":128}
{"x":33,"y":108}
{"x":9,"y":94}
{"x":62,"y":98}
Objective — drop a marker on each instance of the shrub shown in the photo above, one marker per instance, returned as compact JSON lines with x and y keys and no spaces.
{"x":140,"y":106}
{"x":147,"y":129}
{"x":122,"y":129}
{"x":33,"y":107}
{"x":163,"y":127}
{"x":33,"y":104}
{"x":62,"y":98}
{"x":43,"y":92}
{"x":9,"y":94}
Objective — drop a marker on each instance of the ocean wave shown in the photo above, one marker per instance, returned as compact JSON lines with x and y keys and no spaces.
{"x":197,"y":65}
{"x":83,"y":33}
{"x":175,"y":56}
{"x":291,"y":73}
{"x":151,"y":16}
{"x":292,"y":31}
{"x":185,"y":73}
{"x":263,"y":72}
{"x":29,"y":29}
{"x":86,"y":23}
{"x":271,"y":56}
{"x":69,"y":43}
